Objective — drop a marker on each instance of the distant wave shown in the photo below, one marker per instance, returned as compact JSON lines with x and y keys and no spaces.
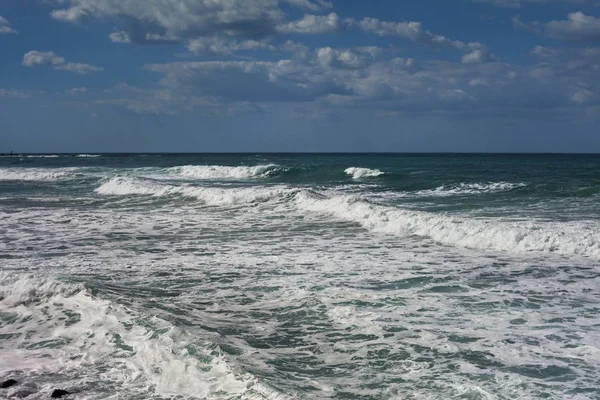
{"x":210,"y":172}
{"x":470,"y":188}
{"x":124,"y":186}
{"x":579,"y":238}
{"x":88,"y":155}
{"x":42,"y":156}
{"x":35,"y":174}
{"x":360,"y":173}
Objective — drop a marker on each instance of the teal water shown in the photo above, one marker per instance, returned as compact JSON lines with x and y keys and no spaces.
{"x":267,"y":276}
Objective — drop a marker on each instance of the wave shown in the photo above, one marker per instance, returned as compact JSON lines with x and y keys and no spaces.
{"x":568,"y":238}
{"x":462,"y":189}
{"x":42,"y":156}
{"x":360,"y":173}
{"x":209,"y":172}
{"x":215,"y":196}
{"x":81,"y":338}
{"x":36,"y":174}
{"x":88,"y":155}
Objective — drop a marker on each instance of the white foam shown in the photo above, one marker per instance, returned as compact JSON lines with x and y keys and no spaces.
{"x":71,"y":333}
{"x":42,"y":156}
{"x":88,"y":155}
{"x":575,"y":238}
{"x":209,"y":172}
{"x":469,"y":189}
{"x":360,"y":173}
{"x":124,"y":186}
{"x":35,"y":174}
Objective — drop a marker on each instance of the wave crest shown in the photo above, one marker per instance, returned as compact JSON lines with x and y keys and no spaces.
{"x":470,"y":188}
{"x":209,"y":172}
{"x":35,"y":174}
{"x":360,"y":173}
{"x":570,"y":238}
{"x":155,"y":358}
{"x":214,"y":196}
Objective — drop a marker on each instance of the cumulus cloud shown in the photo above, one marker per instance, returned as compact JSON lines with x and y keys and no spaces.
{"x":157,"y":20}
{"x":50,"y":59}
{"x":367,"y":78}
{"x":476,"y":52}
{"x":409,"y":30}
{"x":478,"y":56}
{"x":577,"y":27}
{"x":5,"y":26}
{"x":119,"y":37}
{"x":42,"y":58}
{"x":313,"y":24}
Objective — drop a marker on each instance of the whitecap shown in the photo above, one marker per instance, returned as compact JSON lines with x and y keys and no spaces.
{"x":360,"y":173}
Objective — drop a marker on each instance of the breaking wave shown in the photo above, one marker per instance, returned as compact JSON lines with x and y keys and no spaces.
{"x":216,"y":196}
{"x":569,"y":238}
{"x":35,"y":174}
{"x":78,"y":337}
{"x":210,"y":172}
{"x":462,"y":189}
{"x":88,"y":155}
{"x":360,"y":173}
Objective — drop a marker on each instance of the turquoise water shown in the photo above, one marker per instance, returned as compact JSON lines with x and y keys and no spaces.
{"x":268,"y":276}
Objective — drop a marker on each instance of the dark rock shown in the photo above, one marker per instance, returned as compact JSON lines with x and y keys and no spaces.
{"x":8,"y":383}
{"x":58,"y":393}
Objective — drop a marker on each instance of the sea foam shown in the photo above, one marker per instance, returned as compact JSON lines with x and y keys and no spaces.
{"x":101,"y":343}
{"x":215,"y":196}
{"x":210,"y":172}
{"x":35,"y":174}
{"x":463,"y":189}
{"x":360,"y":173}
{"x":569,"y":238}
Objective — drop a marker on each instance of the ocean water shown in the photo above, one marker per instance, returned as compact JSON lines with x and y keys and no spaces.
{"x":300,"y":276}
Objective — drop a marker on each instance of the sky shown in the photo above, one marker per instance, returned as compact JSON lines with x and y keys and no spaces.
{"x":299,"y":76}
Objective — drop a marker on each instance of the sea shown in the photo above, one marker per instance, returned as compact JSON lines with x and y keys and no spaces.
{"x":300,"y":276}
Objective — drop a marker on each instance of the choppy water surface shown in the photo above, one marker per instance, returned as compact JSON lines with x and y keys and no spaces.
{"x":300,"y":276}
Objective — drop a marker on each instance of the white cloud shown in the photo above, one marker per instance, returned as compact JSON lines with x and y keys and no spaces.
{"x":478,"y":56}
{"x":154,"y":20}
{"x":329,"y":57}
{"x":409,"y":30}
{"x":367,"y":79}
{"x":313,"y":24}
{"x":5,"y":26}
{"x":476,"y":52}
{"x":50,"y":59}
{"x":577,"y":27}
{"x":13,"y":93}
{"x":42,"y":58}
{"x":119,"y":37}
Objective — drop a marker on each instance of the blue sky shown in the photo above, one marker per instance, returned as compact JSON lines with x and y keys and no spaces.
{"x":299,"y":75}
